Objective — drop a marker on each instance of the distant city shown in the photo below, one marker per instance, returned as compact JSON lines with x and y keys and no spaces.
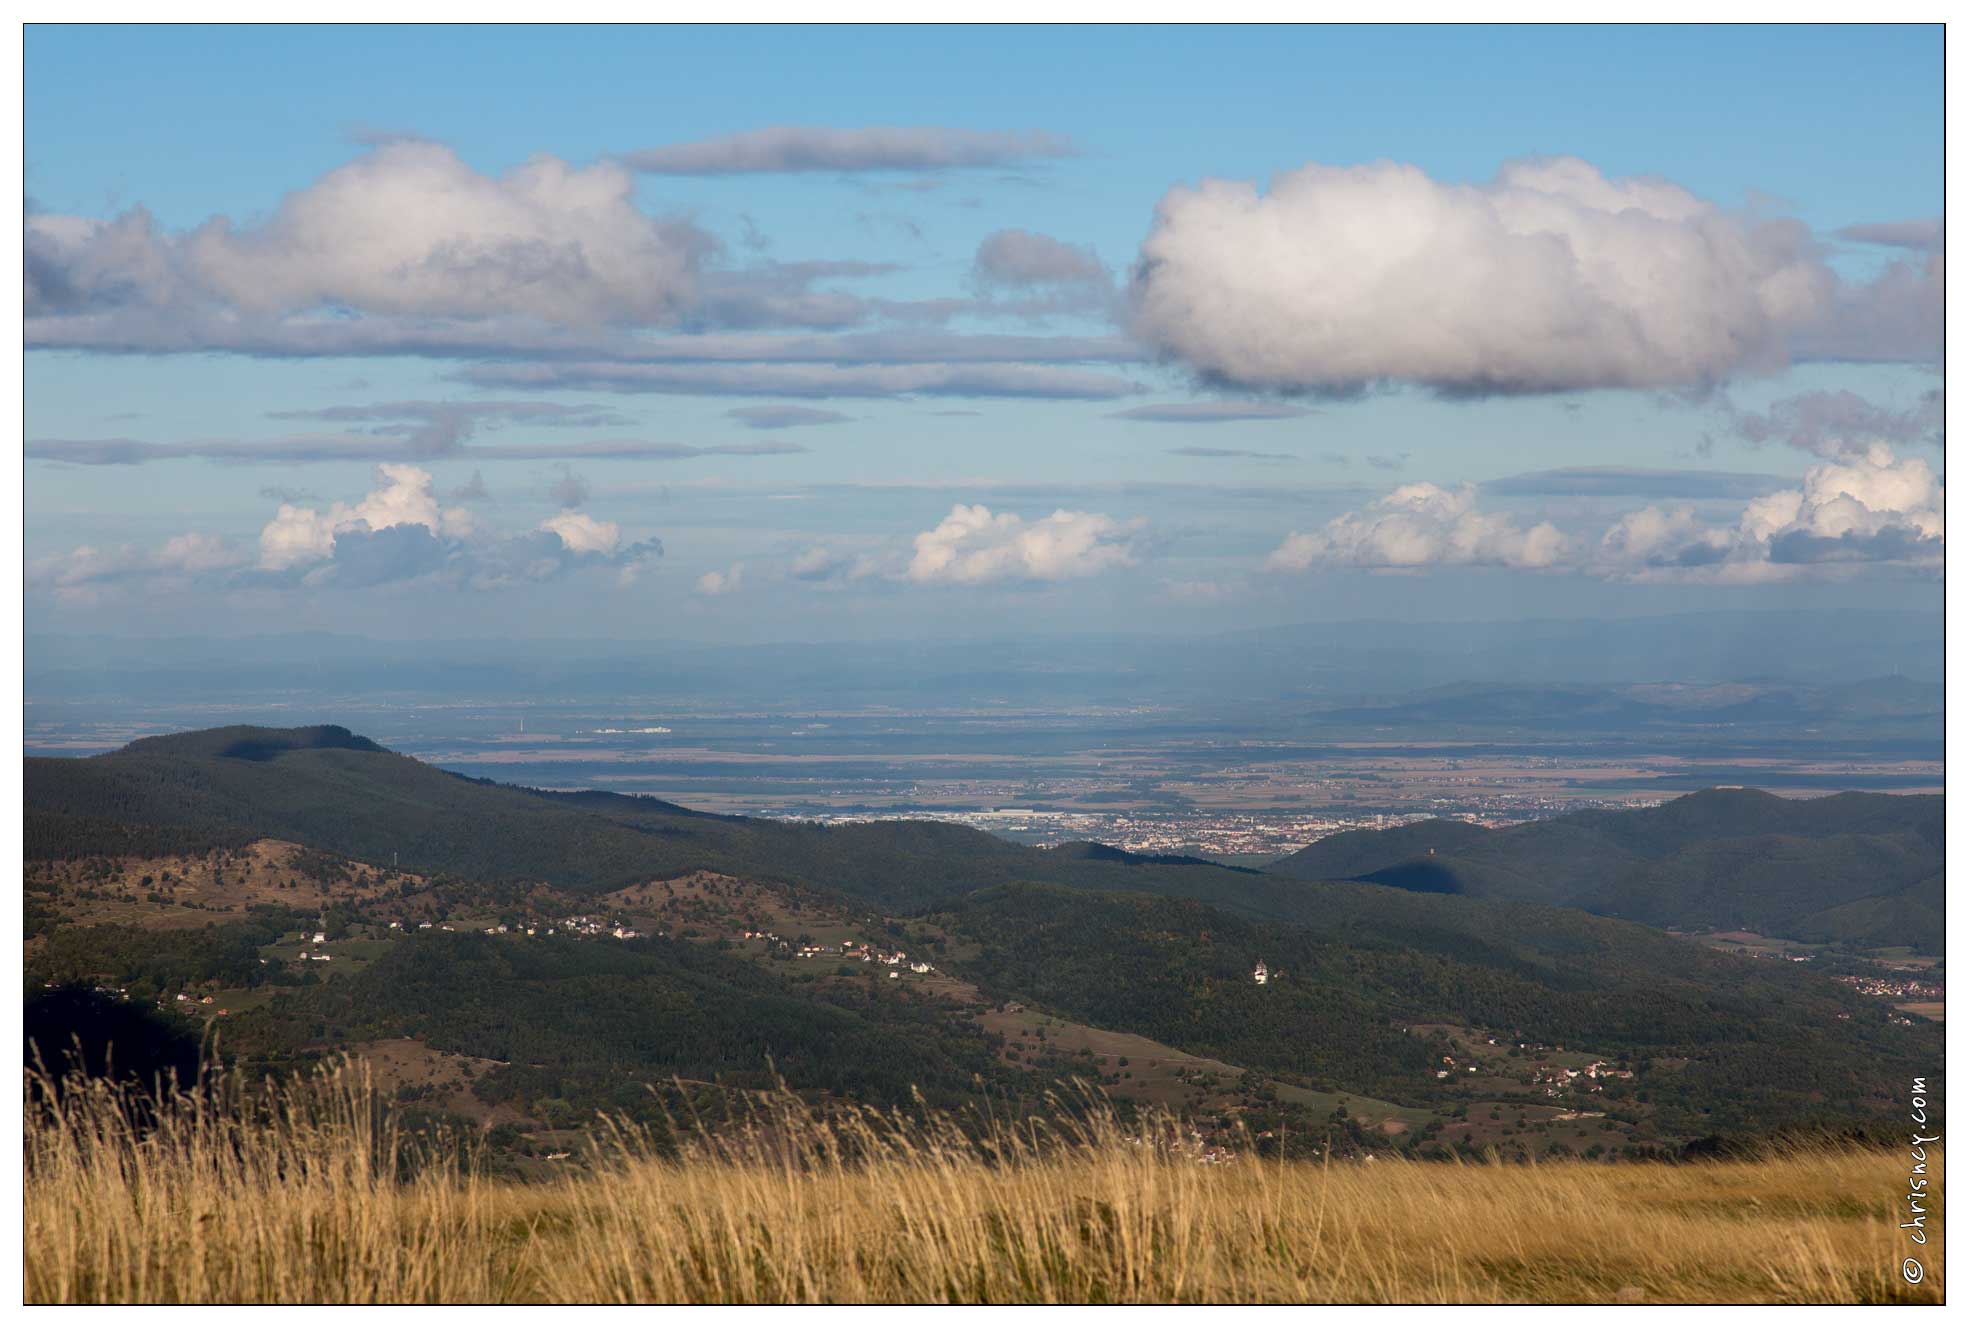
{"x":1230,"y":836}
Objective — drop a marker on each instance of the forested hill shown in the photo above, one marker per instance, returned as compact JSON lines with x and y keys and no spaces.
{"x":1752,"y":1043}
{"x":1863,"y":868}
{"x":332,"y":790}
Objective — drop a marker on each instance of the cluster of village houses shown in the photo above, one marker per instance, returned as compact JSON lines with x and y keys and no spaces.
{"x":1189,"y":1143}
{"x":1555,"y":1078}
{"x":579,"y":926}
{"x":1564,"y":1077}
{"x":1904,"y":989}
{"x":852,"y":950}
{"x":584,"y":925}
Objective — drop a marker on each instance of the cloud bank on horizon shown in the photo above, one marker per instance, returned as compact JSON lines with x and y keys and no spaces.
{"x":398,"y":533}
{"x":1871,"y":512}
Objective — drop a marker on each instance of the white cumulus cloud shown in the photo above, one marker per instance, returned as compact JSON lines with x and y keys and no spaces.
{"x":721,"y":582}
{"x":1550,"y":277}
{"x":407,"y":229}
{"x":1420,"y":526}
{"x":973,"y":546}
{"x":582,"y":533}
{"x":403,"y":497}
{"x":396,"y":533}
{"x":1869,"y":510}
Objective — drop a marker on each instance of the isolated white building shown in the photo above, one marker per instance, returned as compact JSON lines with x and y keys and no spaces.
{"x":1261,"y":975}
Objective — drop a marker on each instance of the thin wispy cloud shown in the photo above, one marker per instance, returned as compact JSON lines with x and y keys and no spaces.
{"x":404,"y":431}
{"x":1213,"y":412}
{"x":784,"y":417}
{"x":1231,"y":453}
{"x":1633,"y":482}
{"x":1925,"y":234}
{"x":810,"y":380}
{"x":1832,"y":422}
{"x":782,"y":149}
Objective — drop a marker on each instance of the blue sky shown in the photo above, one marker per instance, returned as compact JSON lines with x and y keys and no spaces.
{"x":1729,"y":345}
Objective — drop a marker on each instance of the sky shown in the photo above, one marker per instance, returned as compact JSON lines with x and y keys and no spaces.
{"x":755,"y":334}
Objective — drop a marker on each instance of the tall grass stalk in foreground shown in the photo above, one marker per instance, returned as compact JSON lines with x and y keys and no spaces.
{"x":312,"y":1192}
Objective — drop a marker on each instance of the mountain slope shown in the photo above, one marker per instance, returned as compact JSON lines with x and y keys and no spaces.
{"x":1738,"y":1043}
{"x":1862,"y":868}
{"x":590,"y":1024}
{"x":332,"y":790}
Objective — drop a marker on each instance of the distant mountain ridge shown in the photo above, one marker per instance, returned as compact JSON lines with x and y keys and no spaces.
{"x":333,"y":790}
{"x":1857,"y":867}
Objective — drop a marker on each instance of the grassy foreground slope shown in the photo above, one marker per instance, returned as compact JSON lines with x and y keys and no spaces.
{"x":1861,"y":868}
{"x":334,"y":1207}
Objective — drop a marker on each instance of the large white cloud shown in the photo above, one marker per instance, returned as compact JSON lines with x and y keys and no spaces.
{"x":1420,"y":526}
{"x":974,"y":546}
{"x":1549,"y":277}
{"x":410,"y":250}
{"x":406,"y":229}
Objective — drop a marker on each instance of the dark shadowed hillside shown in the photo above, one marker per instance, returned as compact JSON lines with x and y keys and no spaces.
{"x":1363,"y":965}
{"x":1862,"y":868}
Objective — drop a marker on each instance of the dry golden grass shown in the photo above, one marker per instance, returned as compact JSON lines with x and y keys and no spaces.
{"x":309,"y":1194}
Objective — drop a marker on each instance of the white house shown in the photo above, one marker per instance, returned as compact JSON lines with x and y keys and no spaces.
{"x":1261,"y":975}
